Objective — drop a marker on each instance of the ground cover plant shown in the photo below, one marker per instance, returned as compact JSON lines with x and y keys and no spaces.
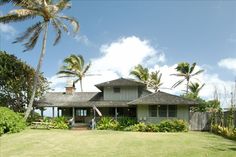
{"x":10,"y":122}
{"x":103,"y":143}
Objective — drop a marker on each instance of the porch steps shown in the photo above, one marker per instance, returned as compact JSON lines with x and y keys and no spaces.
{"x":80,"y":127}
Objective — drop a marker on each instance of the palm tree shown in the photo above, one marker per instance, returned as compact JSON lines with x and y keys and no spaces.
{"x":74,"y":67}
{"x":141,"y":73}
{"x":154,"y":81}
{"x":195,"y":87}
{"x":185,"y":71}
{"x":49,"y":11}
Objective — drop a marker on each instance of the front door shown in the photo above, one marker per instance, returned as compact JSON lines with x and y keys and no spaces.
{"x":80,"y":114}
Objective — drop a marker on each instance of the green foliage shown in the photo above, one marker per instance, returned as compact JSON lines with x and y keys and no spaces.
{"x":224,"y":131}
{"x":173,"y":126}
{"x":125,"y":122}
{"x":16,"y":81}
{"x":107,"y":123}
{"x":60,"y":123}
{"x":10,"y":122}
{"x":34,"y":117}
{"x":141,"y":127}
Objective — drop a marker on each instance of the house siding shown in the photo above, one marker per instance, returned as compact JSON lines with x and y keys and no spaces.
{"x":126,"y":94}
{"x":143,"y":114}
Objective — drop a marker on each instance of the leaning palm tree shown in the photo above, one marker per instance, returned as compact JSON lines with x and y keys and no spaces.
{"x":50,"y":12}
{"x":154,"y":81}
{"x":140,"y":73}
{"x":195,"y":87}
{"x":185,"y":71}
{"x":74,"y":67}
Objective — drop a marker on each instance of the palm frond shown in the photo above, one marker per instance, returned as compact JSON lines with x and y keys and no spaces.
{"x":58,"y":30}
{"x":198,"y":72}
{"x":63,"y":4}
{"x":65,"y":73}
{"x":15,"y":18}
{"x":192,"y":68}
{"x":86,"y":69}
{"x":28,"y":32}
{"x":34,"y":38}
{"x":73,"y":22}
{"x":61,"y":25}
{"x":178,"y":83}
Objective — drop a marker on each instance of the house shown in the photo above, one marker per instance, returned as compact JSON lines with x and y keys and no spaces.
{"x":120,"y":97}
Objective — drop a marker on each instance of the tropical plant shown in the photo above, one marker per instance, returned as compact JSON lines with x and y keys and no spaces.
{"x":154,"y":81}
{"x":195,"y":87}
{"x":74,"y":67}
{"x":50,"y":11}
{"x":187,"y":72}
{"x":10,"y":122}
{"x":140,"y":73}
{"x":16,"y":81}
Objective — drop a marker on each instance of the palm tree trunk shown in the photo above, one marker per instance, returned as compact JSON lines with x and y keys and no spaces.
{"x":36,"y":77}
{"x":81,"y":85}
{"x":187,"y":86}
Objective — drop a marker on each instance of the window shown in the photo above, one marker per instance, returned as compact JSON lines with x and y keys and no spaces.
{"x":172,"y":111}
{"x":116,"y":90}
{"x":81,"y":112}
{"x":163,"y":111}
{"x":168,"y":111}
{"x":152,"y":111}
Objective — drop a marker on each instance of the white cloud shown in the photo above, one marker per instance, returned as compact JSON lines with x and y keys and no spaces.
{"x":119,"y":57}
{"x":7,"y":30}
{"x":82,"y":39}
{"x":228,"y":63}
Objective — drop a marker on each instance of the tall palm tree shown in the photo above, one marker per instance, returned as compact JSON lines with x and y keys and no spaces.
{"x":141,"y":73}
{"x":195,"y":87}
{"x":50,"y":12}
{"x":74,"y":67}
{"x":154,"y":81}
{"x":186,"y":71}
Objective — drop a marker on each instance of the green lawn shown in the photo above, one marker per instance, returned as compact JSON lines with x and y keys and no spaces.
{"x":68,"y":143}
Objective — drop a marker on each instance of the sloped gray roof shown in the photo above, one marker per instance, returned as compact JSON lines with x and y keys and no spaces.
{"x":162,"y":98}
{"x":57,"y":98}
{"x":120,"y":82}
{"x":78,"y":99}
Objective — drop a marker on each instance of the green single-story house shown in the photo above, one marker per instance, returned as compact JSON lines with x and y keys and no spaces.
{"x":120,"y":97}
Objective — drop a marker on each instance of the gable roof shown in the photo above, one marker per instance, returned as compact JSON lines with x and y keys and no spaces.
{"x":120,"y":82}
{"x":162,"y":98}
{"x":51,"y":98}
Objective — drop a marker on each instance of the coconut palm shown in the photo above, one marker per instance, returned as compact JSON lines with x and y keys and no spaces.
{"x":185,"y":71}
{"x":154,"y":81}
{"x":195,"y":87}
{"x":50,"y":13}
{"x":74,"y":67}
{"x":140,"y":73}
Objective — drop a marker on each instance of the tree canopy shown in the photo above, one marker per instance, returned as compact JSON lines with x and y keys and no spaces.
{"x":16,"y":82}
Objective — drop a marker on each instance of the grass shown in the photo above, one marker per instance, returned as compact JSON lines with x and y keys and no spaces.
{"x":68,"y":143}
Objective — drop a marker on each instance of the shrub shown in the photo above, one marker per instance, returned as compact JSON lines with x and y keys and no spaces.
{"x":137,"y":127}
{"x":10,"y":122}
{"x":59,"y":123}
{"x":224,"y":131}
{"x":107,"y":123}
{"x":152,"y":128}
{"x":125,"y":122}
{"x":173,"y":126}
{"x":34,"y":117}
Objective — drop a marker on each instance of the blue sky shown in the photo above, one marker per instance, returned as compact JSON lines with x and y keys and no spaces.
{"x":157,"y":34}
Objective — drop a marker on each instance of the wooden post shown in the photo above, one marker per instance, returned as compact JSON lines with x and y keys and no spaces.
{"x":116,"y":113}
{"x":53,"y":112}
{"x":73,"y":114}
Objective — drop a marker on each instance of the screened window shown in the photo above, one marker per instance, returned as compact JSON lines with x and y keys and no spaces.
{"x":163,"y":111}
{"x":116,"y":90}
{"x":81,"y":112}
{"x":172,"y":111}
{"x":153,"y":111}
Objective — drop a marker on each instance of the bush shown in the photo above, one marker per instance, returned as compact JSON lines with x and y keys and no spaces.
{"x":107,"y":123}
{"x":125,"y":122}
{"x":173,"y":126}
{"x":224,"y":131}
{"x":59,"y":123}
{"x":34,"y":117}
{"x":10,"y":122}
